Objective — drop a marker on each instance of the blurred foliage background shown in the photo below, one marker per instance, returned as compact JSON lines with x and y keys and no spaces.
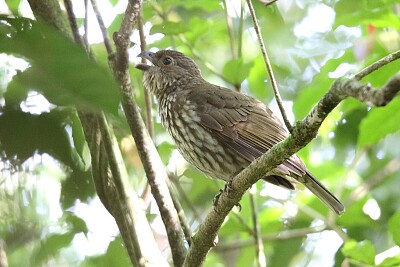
{"x":49,"y":212}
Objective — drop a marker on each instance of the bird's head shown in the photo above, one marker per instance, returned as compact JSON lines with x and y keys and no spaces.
{"x":169,"y":69}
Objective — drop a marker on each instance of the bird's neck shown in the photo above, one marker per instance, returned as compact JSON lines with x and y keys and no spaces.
{"x":164,"y":85}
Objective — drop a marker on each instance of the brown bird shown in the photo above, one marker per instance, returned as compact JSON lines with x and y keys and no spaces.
{"x":218,"y":130}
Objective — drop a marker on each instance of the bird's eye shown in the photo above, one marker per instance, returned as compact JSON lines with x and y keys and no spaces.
{"x":167,"y":60}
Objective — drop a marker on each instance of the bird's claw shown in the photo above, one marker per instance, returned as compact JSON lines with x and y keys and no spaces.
{"x":239,"y":207}
{"x":228,"y":186}
{"x":228,"y":189}
{"x":216,"y":198}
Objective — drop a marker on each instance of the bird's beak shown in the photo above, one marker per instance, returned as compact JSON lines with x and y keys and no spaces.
{"x":147,"y":55}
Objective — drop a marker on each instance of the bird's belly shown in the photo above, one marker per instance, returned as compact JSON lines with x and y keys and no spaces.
{"x":204,"y":151}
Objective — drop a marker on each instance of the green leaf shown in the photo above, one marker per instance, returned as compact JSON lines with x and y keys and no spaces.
{"x":320,"y":84}
{"x":51,"y":246}
{"x":78,"y":137}
{"x":235,"y":71}
{"x":347,"y":131}
{"x":60,"y":69}
{"x":201,"y":190}
{"x":78,"y":224}
{"x":23,"y":134}
{"x":288,"y":248}
{"x":206,"y":5}
{"x":354,"y":217}
{"x":378,"y":13}
{"x":165,"y":149}
{"x":16,"y":93}
{"x":360,"y":251}
{"x":114,"y":2}
{"x":78,"y":185}
{"x":391,"y":262}
{"x":115,"y":25}
{"x":379,"y":123}
{"x":13,"y":5}
{"x":116,"y":255}
{"x":258,"y":78}
{"x":394,"y":227}
{"x":169,"y":28}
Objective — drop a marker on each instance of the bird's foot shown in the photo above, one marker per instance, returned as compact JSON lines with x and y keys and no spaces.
{"x":216,"y":198}
{"x":228,"y":189}
{"x":228,"y":186}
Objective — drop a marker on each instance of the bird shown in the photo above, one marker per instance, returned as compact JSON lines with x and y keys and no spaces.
{"x":218,"y":130}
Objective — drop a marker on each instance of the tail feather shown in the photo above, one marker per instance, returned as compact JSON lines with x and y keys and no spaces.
{"x":322,"y":193}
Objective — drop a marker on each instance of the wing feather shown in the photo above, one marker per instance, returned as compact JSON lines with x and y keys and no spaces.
{"x":243,"y":124}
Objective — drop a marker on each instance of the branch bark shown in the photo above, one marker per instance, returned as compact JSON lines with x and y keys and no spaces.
{"x":303,"y":132}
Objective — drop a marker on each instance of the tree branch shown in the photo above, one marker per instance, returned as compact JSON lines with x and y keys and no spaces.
{"x":109,"y":174}
{"x":378,"y":64}
{"x":269,"y":66}
{"x":72,"y":21}
{"x":148,"y":102}
{"x":102,"y":26}
{"x":147,"y":95}
{"x":231,"y":34}
{"x":303,"y":132}
{"x":261,"y":261}
{"x":111,"y":179}
{"x":284,"y":235}
{"x":152,"y":163}
{"x":86,"y":24}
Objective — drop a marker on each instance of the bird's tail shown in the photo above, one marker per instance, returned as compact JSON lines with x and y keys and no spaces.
{"x":323,"y":194}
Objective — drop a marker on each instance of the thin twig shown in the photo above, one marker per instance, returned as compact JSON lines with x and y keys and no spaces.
{"x":146,"y":194}
{"x":380,"y":176}
{"x":269,"y":67}
{"x":267,"y":3}
{"x":102,"y":26}
{"x":147,"y":94}
{"x":86,"y":24}
{"x":182,"y":193}
{"x":182,"y":218}
{"x":377,"y":65}
{"x":247,"y":228}
{"x":316,"y":215}
{"x":282,"y":235}
{"x":230,"y":30}
{"x":147,"y":99}
{"x":117,"y":176}
{"x":231,"y":38}
{"x":240,"y":34}
{"x":339,"y":190}
{"x":261,"y":261}
{"x":72,"y":21}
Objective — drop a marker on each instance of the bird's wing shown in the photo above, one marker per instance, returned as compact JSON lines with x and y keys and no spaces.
{"x":242,"y":123}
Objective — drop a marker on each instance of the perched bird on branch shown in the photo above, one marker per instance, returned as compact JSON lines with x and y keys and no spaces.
{"x":218,"y":130}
